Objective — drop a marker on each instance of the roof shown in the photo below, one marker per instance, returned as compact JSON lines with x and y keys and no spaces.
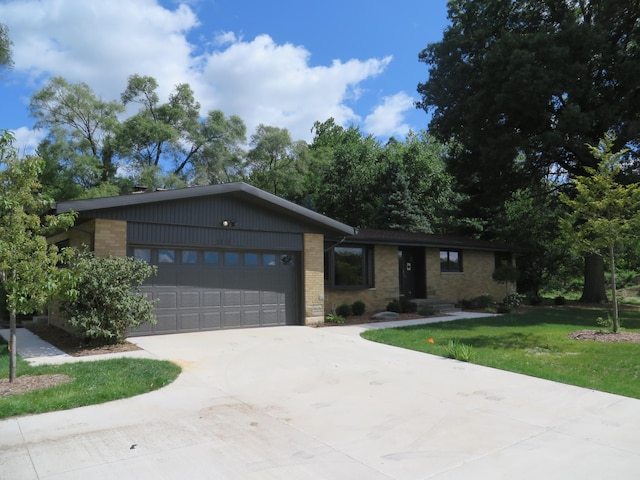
{"x":400,"y":238}
{"x":237,"y":189}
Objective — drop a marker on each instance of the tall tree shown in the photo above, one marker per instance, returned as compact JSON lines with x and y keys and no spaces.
{"x":86,"y":122}
{"x":604,"y":213}
{"x":344,"y":173}
{"x":6,"y":58}
{"x":523,"y":86}
{"x":276,"y":163}
{"x":28,"y":266}
{"x":171,"y":135}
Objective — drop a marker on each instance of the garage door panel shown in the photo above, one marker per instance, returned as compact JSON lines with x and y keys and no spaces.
{"x":251,"y":317}
{"x":189,"y":321}
{"x":232,"y":298}
{"x":167,"y":299}
{"x":166,"y":323}
{"x":250,"y":298}
{"x":211,"y":320}
{"x":231,"y":318}
{"x":189,"y":299}
{"x":211,"y":298}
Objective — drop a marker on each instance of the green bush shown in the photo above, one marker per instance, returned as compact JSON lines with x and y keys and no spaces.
{"x":427,"y":310}
{"x":394,"y":306}
{"x":502,"y":308}
{"x":334,"y":318}
{"x":344,"y":310}
{"x":358,"y":307}
{"x":513,"y":300}
{"x":408,"y":306}
{"x":103,"y":298}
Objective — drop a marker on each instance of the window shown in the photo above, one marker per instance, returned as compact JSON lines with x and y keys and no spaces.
{"x":189,"y":257}
{"x":211,"y":258}
{"x":251,"y":259}
{"x":450,"y":261}
{"x":349,"y":267}
{"x":269,"y":259}
{"x":166,"y":256}
{"x":231,"y":258}
{"x":142,"y":254}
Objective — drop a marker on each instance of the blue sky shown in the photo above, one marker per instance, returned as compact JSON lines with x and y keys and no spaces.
{"x":282,"y":63}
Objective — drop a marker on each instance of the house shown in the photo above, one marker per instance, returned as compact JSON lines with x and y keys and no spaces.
{"x":232,"y":255}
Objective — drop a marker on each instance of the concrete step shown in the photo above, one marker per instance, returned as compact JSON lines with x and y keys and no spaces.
{"x":438,"y":305}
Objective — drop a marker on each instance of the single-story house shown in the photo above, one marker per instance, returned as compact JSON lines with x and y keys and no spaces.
{"x":232,"y":255}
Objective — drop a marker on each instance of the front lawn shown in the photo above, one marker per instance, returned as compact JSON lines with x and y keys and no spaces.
{"x":90,"y":383}
{"x":535,"y":343}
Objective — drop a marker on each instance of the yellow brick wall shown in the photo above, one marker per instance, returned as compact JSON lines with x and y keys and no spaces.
{"x":110,"y":238}
{"x":313,"y":279}
{"x":474,"y":280}
{"x":386,"y":288}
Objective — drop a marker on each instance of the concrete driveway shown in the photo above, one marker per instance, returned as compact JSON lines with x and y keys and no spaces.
{"x":305,"y":403}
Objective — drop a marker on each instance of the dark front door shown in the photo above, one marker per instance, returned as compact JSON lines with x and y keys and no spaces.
{"x":412,"y":273}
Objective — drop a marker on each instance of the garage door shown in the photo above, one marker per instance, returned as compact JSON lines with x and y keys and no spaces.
{"x":216,"y":289}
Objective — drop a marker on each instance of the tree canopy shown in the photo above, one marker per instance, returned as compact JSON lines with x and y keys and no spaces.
{"x":6,"y":59}
{"x":522,"y":87}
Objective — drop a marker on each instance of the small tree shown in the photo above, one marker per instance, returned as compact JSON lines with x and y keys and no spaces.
{"x":104,"y":298}
{"x":603,"y":214}
{"x":506,"y":273}
{"x":28,"y":266}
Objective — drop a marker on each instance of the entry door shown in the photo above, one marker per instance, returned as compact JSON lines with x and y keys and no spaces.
{"x":412,"y":273}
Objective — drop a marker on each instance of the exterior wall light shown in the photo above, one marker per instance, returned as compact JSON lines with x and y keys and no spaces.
{"x":228,"y":223}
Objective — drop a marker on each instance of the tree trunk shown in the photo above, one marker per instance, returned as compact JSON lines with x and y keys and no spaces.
{"x":594,"y":289}
{"x":12,"y":345}
{"x":614,"y":294}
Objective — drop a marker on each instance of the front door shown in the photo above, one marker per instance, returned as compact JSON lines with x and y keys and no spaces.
{"x":412,"y":273}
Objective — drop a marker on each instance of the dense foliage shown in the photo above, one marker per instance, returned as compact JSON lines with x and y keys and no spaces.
{"x":103,"y":298}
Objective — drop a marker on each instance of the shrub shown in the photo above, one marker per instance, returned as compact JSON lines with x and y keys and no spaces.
{"x":408,"y":307}
{"x":427,"y":310}
{"x":394,"y":306}
{"x":358,"y":307}
{"x":513,"y":300}
{"x":559,"y":300}
{"x":344,"y":310}
{"x":103,"y":299}
{"x":334,"y":318}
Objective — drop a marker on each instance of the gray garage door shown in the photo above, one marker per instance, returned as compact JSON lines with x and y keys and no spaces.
{"x":216,"y":289}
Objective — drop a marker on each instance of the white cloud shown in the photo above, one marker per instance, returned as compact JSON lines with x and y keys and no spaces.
{"x":102,"y":43}
{"x":27,"y":140}
{"x":387,"y":119}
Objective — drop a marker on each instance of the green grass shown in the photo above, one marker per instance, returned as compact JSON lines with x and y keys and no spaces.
{"x":535,"y":343}
{"x":92,"y":382}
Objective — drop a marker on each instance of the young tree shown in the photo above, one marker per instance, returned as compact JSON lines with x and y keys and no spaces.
{"x":604,"y":214}
{"x":28,"y":266}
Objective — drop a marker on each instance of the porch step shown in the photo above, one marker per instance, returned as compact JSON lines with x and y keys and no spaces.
{"x":441,"y":306}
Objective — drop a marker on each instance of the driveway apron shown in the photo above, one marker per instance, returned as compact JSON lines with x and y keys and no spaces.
{"x":323,"y":403}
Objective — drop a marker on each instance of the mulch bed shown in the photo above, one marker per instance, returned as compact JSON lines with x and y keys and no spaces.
{"x":609,"y":337}
{"x":74,"y":345}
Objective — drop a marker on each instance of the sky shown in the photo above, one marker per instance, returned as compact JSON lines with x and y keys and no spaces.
{"x":282,"y":63}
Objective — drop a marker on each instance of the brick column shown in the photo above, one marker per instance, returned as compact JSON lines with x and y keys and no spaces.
{"x":313,"y":279}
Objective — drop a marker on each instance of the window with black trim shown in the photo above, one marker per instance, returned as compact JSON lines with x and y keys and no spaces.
{"x":450,"y":261}
{"x":349,"y":267}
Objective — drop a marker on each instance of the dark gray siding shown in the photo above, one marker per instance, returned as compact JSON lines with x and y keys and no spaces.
{"x":155,"y":234}
{"x":208,"y":212}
